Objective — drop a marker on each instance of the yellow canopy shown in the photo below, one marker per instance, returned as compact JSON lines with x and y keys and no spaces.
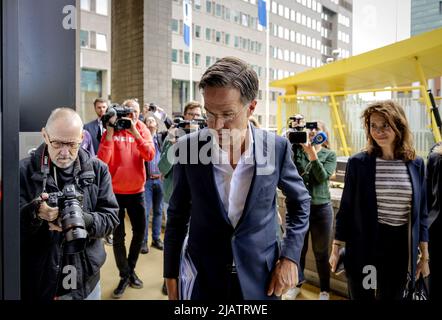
{"x":390,"y":66}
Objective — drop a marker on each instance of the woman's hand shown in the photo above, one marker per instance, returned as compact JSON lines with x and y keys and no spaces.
{"x":310,"y":150}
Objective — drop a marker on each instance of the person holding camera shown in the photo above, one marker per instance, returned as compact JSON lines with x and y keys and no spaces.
{"x":125,"y":146}
{"x":315,"y":164}
{"x":67,"y":206}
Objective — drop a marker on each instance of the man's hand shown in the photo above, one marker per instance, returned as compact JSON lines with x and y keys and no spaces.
{"x":46,"y":212}
{"x":284,"y":277}
{"x":334,"y":258}
{"x":172,"y":288}
{"x":133,"y":127}
{"x":49,"y":214}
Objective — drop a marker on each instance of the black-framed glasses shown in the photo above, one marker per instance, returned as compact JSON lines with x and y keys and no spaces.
{"x":58,"y":144}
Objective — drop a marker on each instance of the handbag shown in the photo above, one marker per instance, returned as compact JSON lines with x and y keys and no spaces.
{"x":419,"y":291}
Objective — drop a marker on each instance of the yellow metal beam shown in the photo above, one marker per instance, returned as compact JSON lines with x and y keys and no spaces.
{"x":339,"y":126}
{"x":424,"y":93}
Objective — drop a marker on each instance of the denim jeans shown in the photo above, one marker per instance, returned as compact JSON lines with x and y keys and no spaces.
{"x":321,"y":223}
{"x":134,"y":203}
{"x":153,"y":192}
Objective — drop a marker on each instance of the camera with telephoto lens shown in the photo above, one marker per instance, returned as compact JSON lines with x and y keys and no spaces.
{"x":297,"y":130}
{"x":120,"y":112}
{"x":69,"y":203}
{"x":187,"y":126}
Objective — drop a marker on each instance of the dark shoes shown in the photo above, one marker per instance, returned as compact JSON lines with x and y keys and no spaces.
{"x":158,"y":244}
{"x":118,"y":292}
{"x":164,"y":289}
{"x":144,"y":249}
{"x":135,"y":282}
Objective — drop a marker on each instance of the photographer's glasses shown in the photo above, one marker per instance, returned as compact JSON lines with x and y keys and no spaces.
{"x":59,"y":145}
{"x":225,"y":118}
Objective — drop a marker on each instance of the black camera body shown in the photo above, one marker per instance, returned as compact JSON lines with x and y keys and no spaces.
{"x":69,"y":203}
{"x":187,"y":126}
{"x":297,"y":132}
{"x":120,"y":112}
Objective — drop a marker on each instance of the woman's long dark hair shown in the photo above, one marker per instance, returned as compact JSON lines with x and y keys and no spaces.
{"x":394,"y":115}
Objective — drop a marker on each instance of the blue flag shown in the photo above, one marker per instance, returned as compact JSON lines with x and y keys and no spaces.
{"x":187,"y":21}
{"x":262,"y":13}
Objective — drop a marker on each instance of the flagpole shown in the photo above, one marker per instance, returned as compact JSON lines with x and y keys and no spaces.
{"x":191,"y":52}
{"x":267,"y":66}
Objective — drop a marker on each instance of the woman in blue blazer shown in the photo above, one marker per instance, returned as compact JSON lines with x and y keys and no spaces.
{"x":382,"y":219}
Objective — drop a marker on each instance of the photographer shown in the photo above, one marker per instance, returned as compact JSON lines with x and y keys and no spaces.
{"x":315,"y":164}
{"x":125,"y":146}
{"x":192,"y":111}
{"x":60,"y":261}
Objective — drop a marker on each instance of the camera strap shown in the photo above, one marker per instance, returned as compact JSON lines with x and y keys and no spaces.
{"x":45,"y":161}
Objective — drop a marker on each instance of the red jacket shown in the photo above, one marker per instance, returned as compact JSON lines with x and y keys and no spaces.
{"x":125,"y":157}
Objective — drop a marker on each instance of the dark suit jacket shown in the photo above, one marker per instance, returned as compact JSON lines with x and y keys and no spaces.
{"x":213,"y":242}
{"x":94,"y":130}
{"x":357,"y":218}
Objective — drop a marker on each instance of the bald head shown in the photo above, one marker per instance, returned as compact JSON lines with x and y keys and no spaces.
{"x":65,"y":118}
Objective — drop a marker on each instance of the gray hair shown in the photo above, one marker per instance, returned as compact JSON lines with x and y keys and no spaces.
{"x":233,"y":73}
{"x":66,"y":114}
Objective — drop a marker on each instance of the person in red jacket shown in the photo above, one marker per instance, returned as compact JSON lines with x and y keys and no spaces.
{"x":125,"y":152}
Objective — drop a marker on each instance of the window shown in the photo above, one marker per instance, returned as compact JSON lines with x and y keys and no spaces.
{"x":292,"y":56}
{"x":174,"y":25}
{"x":208,"y":61}
{"x":85,"y":5}
{"x":440,"y":7}
{"x":274,"y":7}
{"x":275,"y":30}
{"x":280,"y":32}
{"x":227,"y":14}
{"x":236,"y":44}
{"x":197,"y":59}
{"x":281,"y":10}
{"x":298,"y":17}
{"x":101,"y":42}
{"x":174,"y":55}
{"x":314,"y":5}
{"x":218,"y":36}
{"x":208,"y":34}
{"x":293,"y":15}
{"x":84,"y":39}
{"x":303,"y":20}
{"x":208,"y":6}
{"x":309,"y":22}
{"x":298,"y":38}
{"x":309,"y":4}
{"x":197,"y":5}
{"x":303,"y":40}
{"x":287,"y":13}
{"x":227,"y":39}
{"x":101,"y":7}
{"x":292,"y":36}
{"x":244,"y":20}
{"x":298,"y":58}
{"x":286,"y":34}
{"x":186,"y":57}
{"x":198,"y":32}
{"x":218,"y":10}
{"x":286,"y":55}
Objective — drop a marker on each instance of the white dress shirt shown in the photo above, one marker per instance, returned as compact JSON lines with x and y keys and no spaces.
{"x":233,"y":185}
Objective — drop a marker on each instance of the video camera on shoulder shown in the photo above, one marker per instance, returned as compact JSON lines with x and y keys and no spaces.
{"x":69,"y":202}
{"x":120,"y":112}
{"x":187,"y":126}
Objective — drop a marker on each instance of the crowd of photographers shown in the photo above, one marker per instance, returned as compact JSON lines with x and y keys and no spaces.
{"x":71,"y":199}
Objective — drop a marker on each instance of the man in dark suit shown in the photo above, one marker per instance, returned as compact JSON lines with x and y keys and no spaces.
{"x":95,"y":127}
{"x":221,"y":237}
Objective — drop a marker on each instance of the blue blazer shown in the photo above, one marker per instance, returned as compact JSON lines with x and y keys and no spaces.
{"x":213,"y":243}
{"x":94,"y":130}
{"x":357,"y":218}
